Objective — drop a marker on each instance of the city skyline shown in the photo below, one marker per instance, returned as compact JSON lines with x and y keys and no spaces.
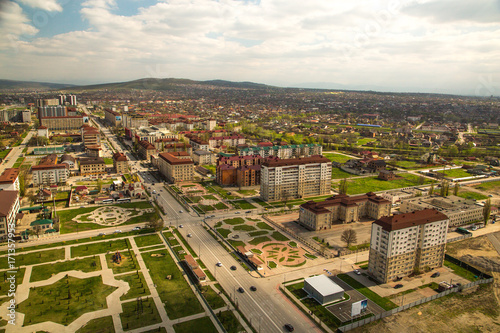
{"x":401,"y":46}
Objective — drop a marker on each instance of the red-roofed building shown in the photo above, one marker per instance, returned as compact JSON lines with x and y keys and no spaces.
{"x":176,"y":167}
{"x":9,"y":180}
{"x":146,"y":149}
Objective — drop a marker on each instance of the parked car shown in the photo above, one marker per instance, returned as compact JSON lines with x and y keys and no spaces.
{"x":399,"y":285}
{"x":102,"y":234}
{"x":233,"y":268}
{"x":117,"y":232}
{"x":189,"y":235}
{"x":435,"y":275}
{"x":180,"y":211}
{"x":241,"y":290}
{"x":248,"y":211}
{"x":253,"y":288}
{"x":181,"y":226}
{"x":289,"y":327}
{"x":136,"y":228}
{"x":219,"y":264}
{"x":357,"y":272}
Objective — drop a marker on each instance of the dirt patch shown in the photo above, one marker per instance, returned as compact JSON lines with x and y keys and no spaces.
{"x":488,"y":264}
{"x":477,"y":246}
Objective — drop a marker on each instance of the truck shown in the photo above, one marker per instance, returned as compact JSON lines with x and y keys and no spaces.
{"x":463,"y":231}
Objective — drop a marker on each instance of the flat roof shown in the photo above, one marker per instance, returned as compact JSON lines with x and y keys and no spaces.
{"x":324,"y":285}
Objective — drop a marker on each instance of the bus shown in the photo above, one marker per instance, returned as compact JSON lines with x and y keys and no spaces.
{"x":123,"y":200}
{"x":107,"y":201}
{"x":463,"y":231}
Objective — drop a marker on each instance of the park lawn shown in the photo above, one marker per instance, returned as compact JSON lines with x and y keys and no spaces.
{"x":258,"y":233}
{"x":34,"y":258}
{"x":272,"y":264}
{"x":220,"y":206}
{"x":206,"y":208}
{"x":247,"y":192}
{"x":244,"y":227}
{"x":203,"y":324}
{"x":243,"y":204}
{"x":128,"y":263}
{"x":209,"y":197}
{"x":98,"y":325}
{"x":131,"y":318}
{"x":137,"y":283}
{"x":172,"y":242}
{"x":340,"y":174}
{"x":373,"y":184}
{"x":455,"y":173}
{"x":261,"y":202}
{"x":65,"y":300}
{"x":44,"y":272}
{"x":234,"y":221}
{"x":230,"y":322}
{"x":175,"y":293}
{"x":460,"y":271}
{"x":408,"y":164}
{"x":62,"y":195}
{"x":150,"y":248}
{"x":258,"y":240}
{"x":4,"y":153}
{"x":142,"y":241}
{"x":383,"y":302}
{"x":471,"y":195}
{"x":5,"y":284}
{"x":279,"y":236}
{"x":193,"y":199}
{"x":337,"y":157}
{"x":488,"y":186}
{"x":223,"y":232}
{"x":213,"y":299}
{"x":236,"y":243}
{"x":100,"y":247}
{"x":264,"y":225}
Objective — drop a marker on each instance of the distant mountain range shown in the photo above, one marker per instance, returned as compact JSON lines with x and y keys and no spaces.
{"x":11,"y":84}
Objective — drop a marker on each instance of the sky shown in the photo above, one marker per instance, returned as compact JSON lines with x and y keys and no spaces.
{"x":437,"y":46}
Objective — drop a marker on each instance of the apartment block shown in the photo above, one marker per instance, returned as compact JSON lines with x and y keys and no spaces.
{"x":232,"y":141}
{"x":342,"y":208}
{"x":9,"y":179}
{"x":49,"y":172}
{"x":9,"y":207}
{"x":146,"y":149}
{"x":112,"y":117}
{"x":407,"y":243}
{"x":92,"y":166}
{"x":176,"y":167}
{"x":295,"y":178}
{"x":282,"y":151}
{"x":120,"y":163}
{"x":460,"y":211}
{"x":90,"y":136}
{"x":202,"y":157}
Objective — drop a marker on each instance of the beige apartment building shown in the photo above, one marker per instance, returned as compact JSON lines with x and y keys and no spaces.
{"x":92,"y":166}
{"x":146,"y":149}
{"x":405,"y":243}
{"x":120,"y":163}
{"x":176,"y":167}
{"x":295,"y":178}
{"x":49,"y":172}
{"x":460,"y":211}
{"x":342,"y":208}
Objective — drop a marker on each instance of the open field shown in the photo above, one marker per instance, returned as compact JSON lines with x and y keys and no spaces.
{"x":455,"y":173}
{"x":373,"y":184}
{"x":337,"y":157}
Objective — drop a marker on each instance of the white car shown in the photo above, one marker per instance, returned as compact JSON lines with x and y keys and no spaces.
{"x":189,"y":235}
{"x":357,"y":272}
{"x":219,"y":264}
{"x":136,"y":228}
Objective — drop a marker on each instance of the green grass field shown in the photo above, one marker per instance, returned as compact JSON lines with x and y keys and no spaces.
{"x":5,"y":284}
{"x":383,"y":302}
{"x":455,"y":173}
{"x":147,"y":240}
{"x":65,"y":300}
{"x":224,"y":232}
{"x":364,"y":141}
{"x":264,"y":226}
{"x":373,"y":184}
{"x":337,"y":157}
{"x":175,"y":293}
{"x":34,"y":258}
{"x":127,"y":264}
{"x":203,"y":324}
{"x":489,"y":186}
{"x":101,"y":325}
{"x":258,"y":240}
{"x":44,"y":272}
{"x":132,"y":317}
{"x":234,"y":221}
{"x":279,"y":236}
{"x":100,"y":247}
{"x":340,"y":174}
{"x":244,"y":227}
{"x":471,"y":195}
{"x":138,"y":286}
{"x":243,"y":204}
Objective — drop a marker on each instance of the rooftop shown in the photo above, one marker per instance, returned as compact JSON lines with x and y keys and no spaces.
{"x":170,"y":159}
{"x":324,"y":285}
{"x":297,"y":161}
{"x":9,"y":176}
{"x":7,"y":200}
{"x":92,"y":160}
{"x":407,"y":220}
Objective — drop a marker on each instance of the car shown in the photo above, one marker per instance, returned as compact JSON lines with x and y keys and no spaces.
{"x":189,"y":235}
{"x":435,"y":275}
{"x":237,"y":212}
{"x":248,"y":211}
{"x":136,"y":228}
{"x":357,"y":272}
{"x":102,"y":234}
{"x":289,"y":327}
{"x":180,"y":211}
{"x":233,"y":268}
{"x":399,"y":285}
{"x":241,"y":290}
{"x":82,"y":206}
{"x":181,"y":226}
{"x":398,"y":278}
{"x":219,"y":264}
{"x":253,"y":288}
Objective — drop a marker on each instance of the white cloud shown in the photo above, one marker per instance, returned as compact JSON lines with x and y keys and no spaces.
{"x":272,"y":41}
{"x":48,"y":5}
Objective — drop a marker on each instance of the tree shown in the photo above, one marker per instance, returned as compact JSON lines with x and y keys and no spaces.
{"x":455,"y":189}
{"x":99,"y":185}
{"x":431,"y":189}
{"x":349,"y":237}
{"x":487,"y":211}
{"x":156,"y":223}
{"x":445,"y":186}
{"x":343,"y":186}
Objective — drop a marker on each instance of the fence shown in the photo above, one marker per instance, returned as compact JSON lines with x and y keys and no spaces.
{"x":310,"y":245}
{"x":368,"y":320}
{"x":458,"y":238}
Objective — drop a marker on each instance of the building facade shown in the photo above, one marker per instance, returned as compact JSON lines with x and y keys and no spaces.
{"x":90,"y":136}
{"x":120,"y":163}
{"x":112,"y":117}
{"x":460,"y":211}
{"x":283,"y":151}
{"x":175,"y":169}
{"x":203,"y":157}
{"x":342,"y":209}
{"x":9,"y":179}
{"x":9,"y":207}
{"x":49,"y":172}
{"x":295,"y":178}
{"x":406,"y":243}
{"x":92,"y":166}
{"x":146,"y":149}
